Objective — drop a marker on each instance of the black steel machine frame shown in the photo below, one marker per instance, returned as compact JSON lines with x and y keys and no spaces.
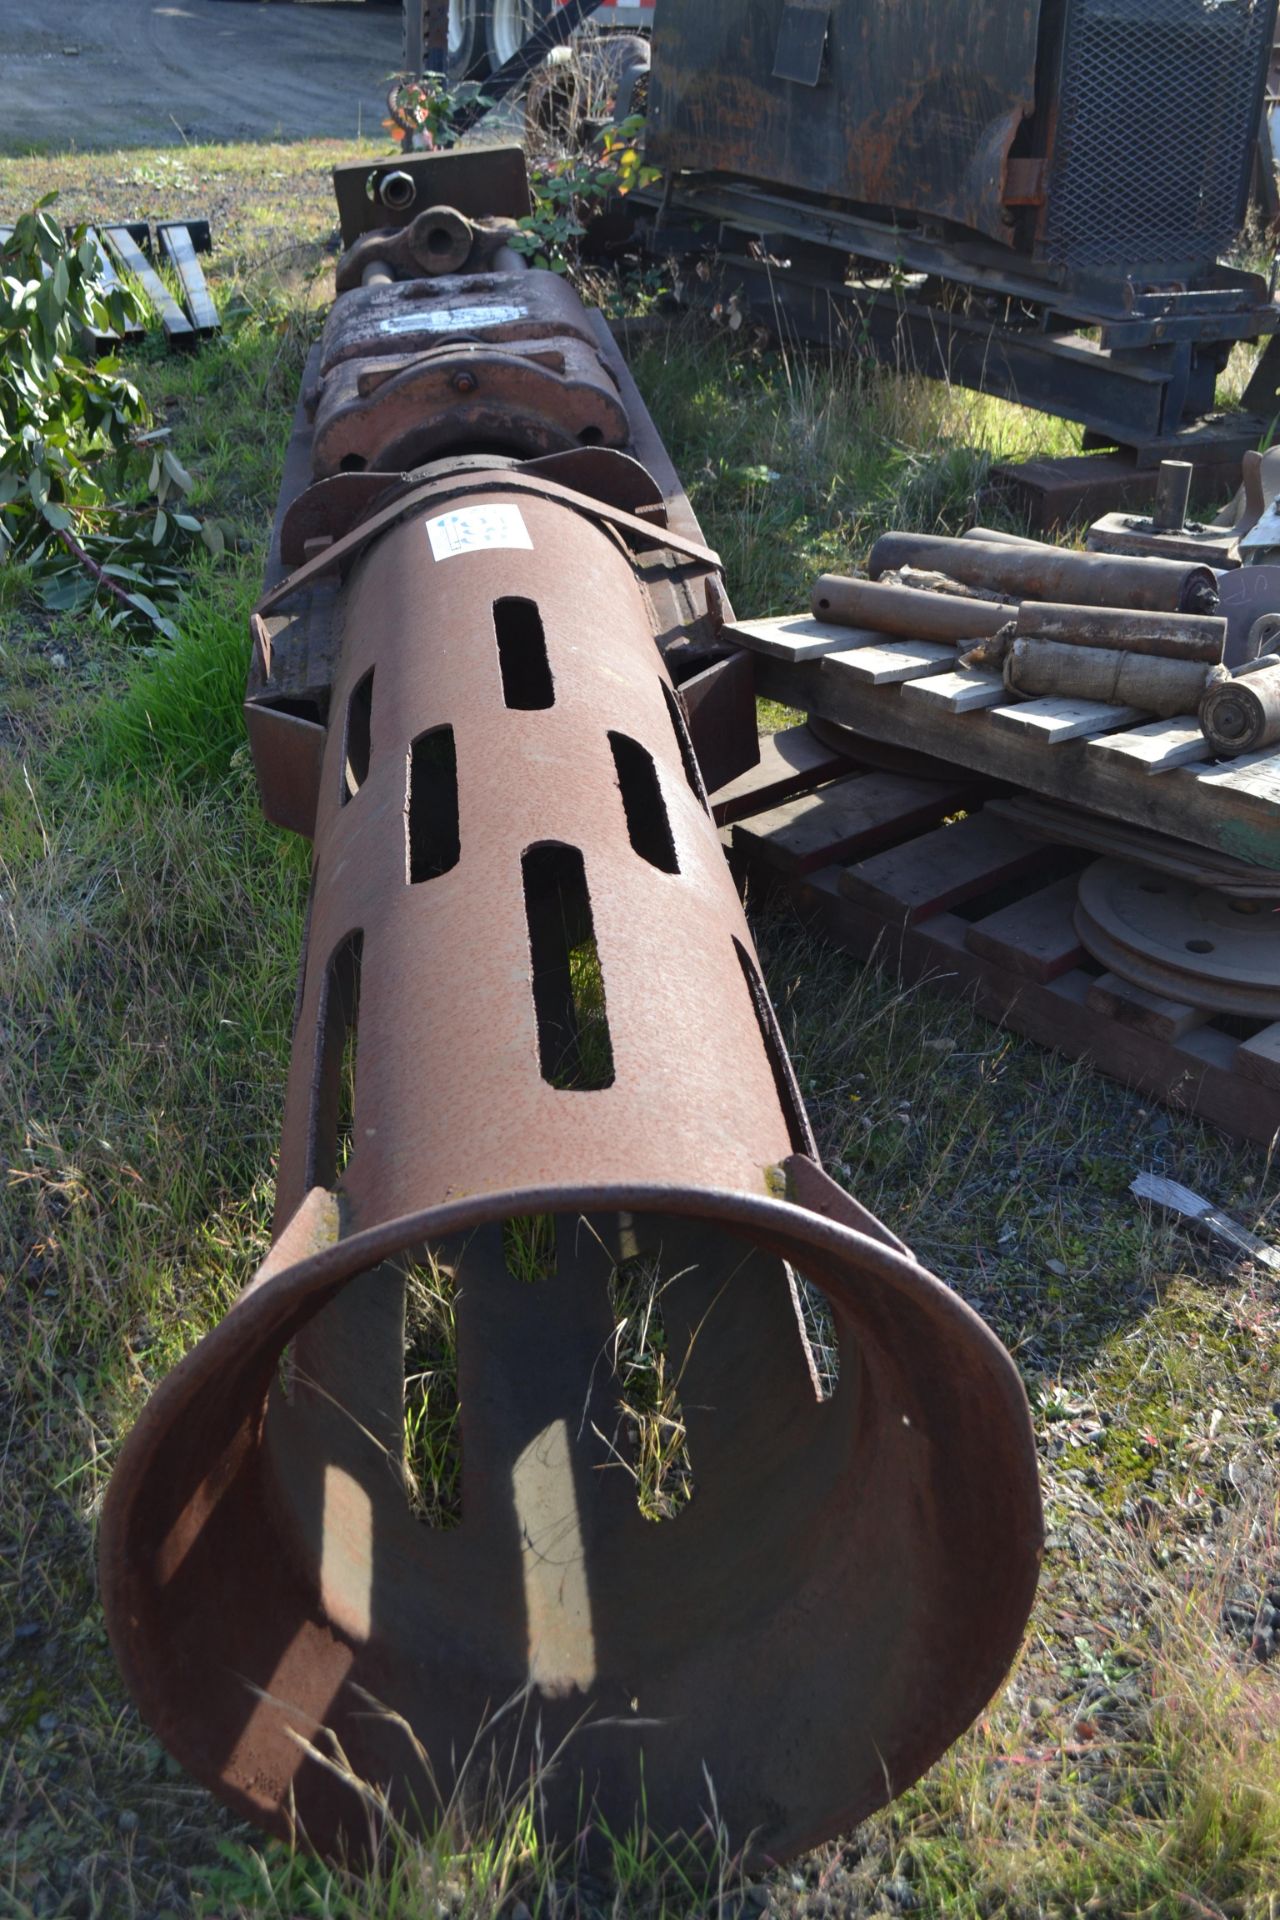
{"x":1012,"y":299}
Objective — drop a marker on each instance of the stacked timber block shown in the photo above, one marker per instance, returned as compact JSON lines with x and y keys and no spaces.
{"x":932,"y":819}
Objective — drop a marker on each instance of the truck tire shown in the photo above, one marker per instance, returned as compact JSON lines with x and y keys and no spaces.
{"x":508,"y":25}
{"x":466,"y":42}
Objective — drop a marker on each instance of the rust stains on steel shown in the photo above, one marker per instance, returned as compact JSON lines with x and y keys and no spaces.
{"x":530,"y":1006}
{"x":914,"y":103}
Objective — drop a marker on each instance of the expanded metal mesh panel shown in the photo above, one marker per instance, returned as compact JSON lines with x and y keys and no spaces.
{"x":1155,"y":133}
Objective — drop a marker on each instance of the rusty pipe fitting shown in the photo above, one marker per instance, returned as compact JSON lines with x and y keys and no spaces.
{"x":437,"y":241}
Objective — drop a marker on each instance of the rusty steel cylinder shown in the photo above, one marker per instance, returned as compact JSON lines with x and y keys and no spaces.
{"x":1053,"y":573}
{"x":1003,"y":537}
{"x":1043,"y":668}
{"x":1242,"y":715}
{"x":1170,"y":636}
{"x":904,"y":610}
{"x":536,"y":1080}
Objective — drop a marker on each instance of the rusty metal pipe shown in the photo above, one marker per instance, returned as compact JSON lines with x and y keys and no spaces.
{"x":1173,"y":636}
{"x":1242,"y":715}
{"x":262,"y":1572}
{"x":1044,"y":668}
{"x":905,"y":610}
{"x":1057,"y":574}
{"x":530,"y":1015}
{"x":1002,"y":537}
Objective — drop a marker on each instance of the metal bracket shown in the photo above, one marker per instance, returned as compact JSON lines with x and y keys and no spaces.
{"x":802,"y":40}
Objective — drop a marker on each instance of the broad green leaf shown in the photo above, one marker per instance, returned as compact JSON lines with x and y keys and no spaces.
{"x":176,"y":471}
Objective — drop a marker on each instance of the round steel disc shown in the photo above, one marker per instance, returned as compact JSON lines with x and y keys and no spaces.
{"x":1185,"y":942}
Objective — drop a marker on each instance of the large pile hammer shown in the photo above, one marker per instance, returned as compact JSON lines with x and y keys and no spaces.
{"x":531,"y":1015}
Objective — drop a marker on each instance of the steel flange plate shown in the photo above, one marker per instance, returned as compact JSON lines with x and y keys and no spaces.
{"x":1184,"y":942}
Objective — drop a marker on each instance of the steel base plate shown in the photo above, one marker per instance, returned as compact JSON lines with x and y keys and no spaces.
{"x":1184,"y":942}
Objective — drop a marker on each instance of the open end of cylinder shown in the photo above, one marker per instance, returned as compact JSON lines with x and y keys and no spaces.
{"x":566,"y":1475}
{"x":397,"y":190}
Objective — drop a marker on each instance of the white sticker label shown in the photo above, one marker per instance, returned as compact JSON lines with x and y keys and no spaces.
{"x":450,"y":319}
{"x":471,"y":529}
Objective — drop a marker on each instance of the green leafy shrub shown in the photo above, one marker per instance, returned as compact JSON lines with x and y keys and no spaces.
{"x":566,"y":190}
{"x":90,"y":498}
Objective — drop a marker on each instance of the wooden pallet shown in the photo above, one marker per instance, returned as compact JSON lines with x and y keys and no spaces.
{"x":127,"y":247}
{"x":983,"y":912}
{"x":1110,"y":760}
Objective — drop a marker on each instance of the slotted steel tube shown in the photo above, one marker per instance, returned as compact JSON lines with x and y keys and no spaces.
{"x":529,"y":994}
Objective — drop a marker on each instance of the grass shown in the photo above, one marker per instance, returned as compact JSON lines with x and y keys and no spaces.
{"x":433,"y":1460}
{"x":652,"y":1442}
{"x":149,"y":930}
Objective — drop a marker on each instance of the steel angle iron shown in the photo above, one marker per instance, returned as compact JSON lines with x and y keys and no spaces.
{"x":525,"y":955}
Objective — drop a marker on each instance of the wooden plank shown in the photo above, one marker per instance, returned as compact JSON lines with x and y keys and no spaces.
{"x":179,"y":250}
{"x":1193,"y":1076}
{"x":1229,"y":819}
{"x":1153,"y":748}
{"x":844,"y":821}
{"x":1036,"y":937}
{"x":957,"y":692}
{"x":1054,"y":721}
{"x":177,"y":328}
{"x":1136,"y":1007}
{"x":1259,"y":1059}
{"x":939,"y":869}
{"x":1253,"y":773}
{"x":792,"y":761}
{"x":796,"y":636}
{"x":886,"y":663}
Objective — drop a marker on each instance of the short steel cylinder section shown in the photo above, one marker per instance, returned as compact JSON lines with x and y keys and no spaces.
{"x":534,"y":1061}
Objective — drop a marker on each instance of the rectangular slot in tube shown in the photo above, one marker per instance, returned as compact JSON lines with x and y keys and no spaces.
{"x":522,"y":654}
{"x":575,"y":1052}
{"x":357,"y":739}
{"x":648,"y":827}
{"x":432,"y":844}
{"x":333,"y":1100}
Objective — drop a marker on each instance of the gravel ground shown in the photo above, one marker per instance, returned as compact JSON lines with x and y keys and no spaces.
{"x":128,"y":73}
